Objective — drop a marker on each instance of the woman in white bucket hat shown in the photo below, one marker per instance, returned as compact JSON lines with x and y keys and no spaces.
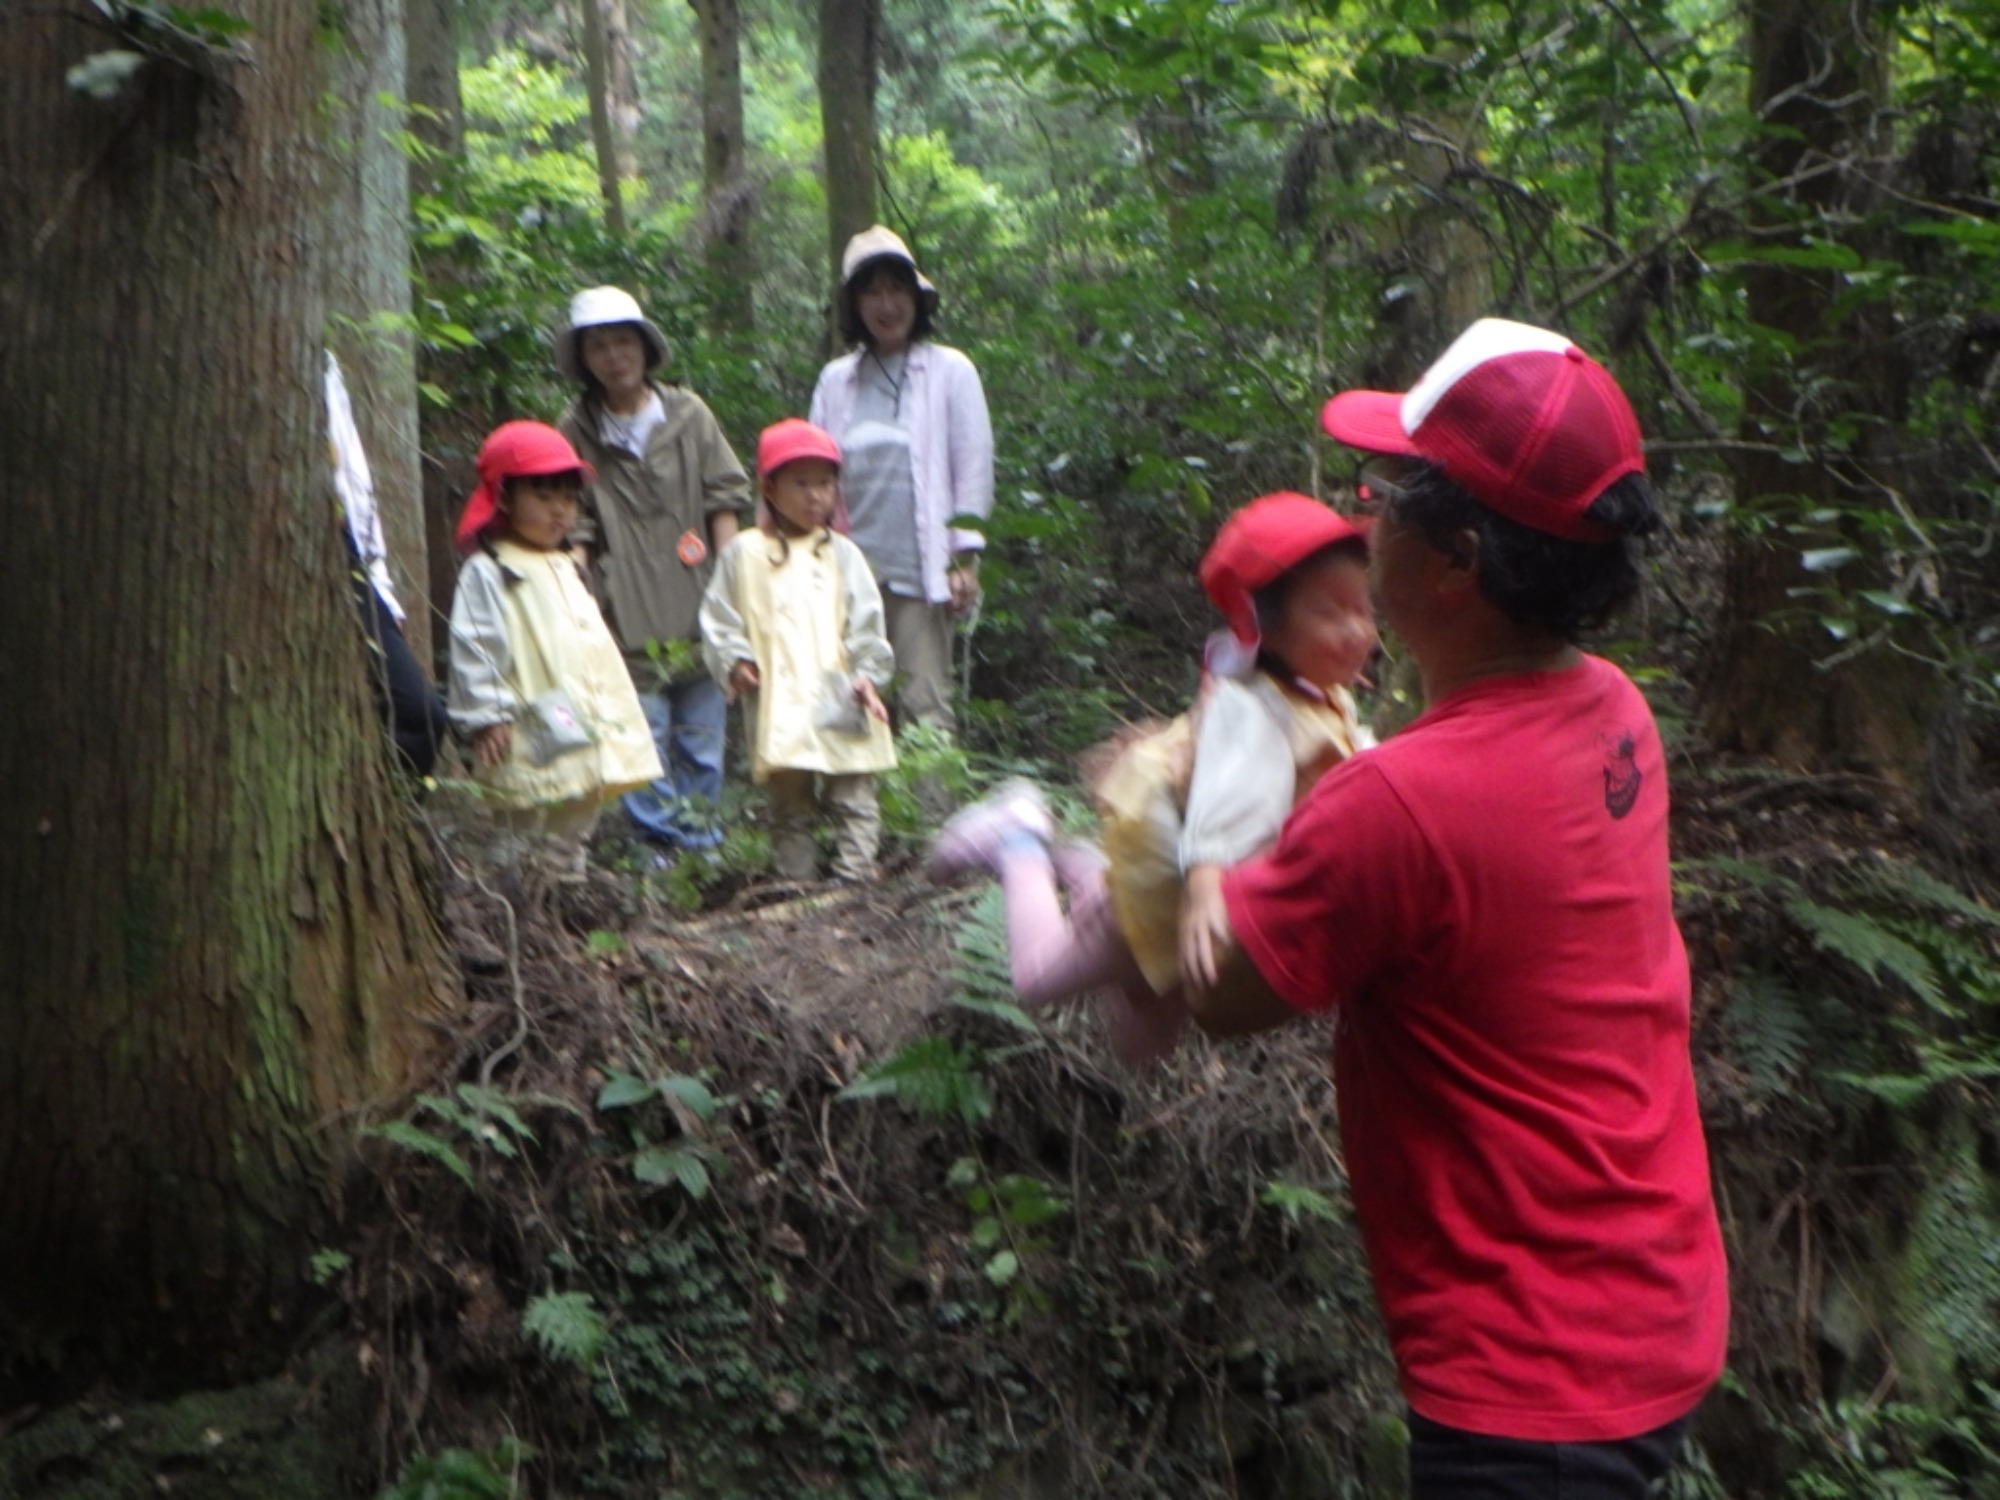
{"x":669,"y":495}
{"x":910,"y":418}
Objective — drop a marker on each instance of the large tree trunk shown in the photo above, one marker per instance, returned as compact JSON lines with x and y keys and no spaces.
{"x":368,"y":285}
{"x":847,"y":60}
{"x":597,"y":70}
{"x":725,"y":225}
{"x":1818,"y":76}
{"x":214,"y":939}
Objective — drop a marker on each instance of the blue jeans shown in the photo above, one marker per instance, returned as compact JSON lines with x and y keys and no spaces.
{"x":1449,"y":1464}
{"x":683,"y":808}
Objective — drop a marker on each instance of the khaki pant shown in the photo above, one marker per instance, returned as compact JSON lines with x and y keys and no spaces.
{"x":920,"y":634}
{"x":552,"y":834}
{"x":795,"y":808}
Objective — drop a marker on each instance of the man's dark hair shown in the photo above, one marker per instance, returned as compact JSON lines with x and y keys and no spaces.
{"x":1565,"y":587}
{"x":852,"y":328}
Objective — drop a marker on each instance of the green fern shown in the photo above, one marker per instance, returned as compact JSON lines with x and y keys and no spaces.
{"x":984,"y":971}
{"x":1772,"y":1033}
{"x":568,"y":1326}
{"x":1871,"y":947}
{"x":932,"y":1077}
{"x":489,"y":1112}
{"x":1940,"y":1064}
{"x":1953,"y":1267}
{"x":423,"y":1143}
{"x":1895,"y":882}
{"x":462,"y":1474}
{"x":1299,"y":1203}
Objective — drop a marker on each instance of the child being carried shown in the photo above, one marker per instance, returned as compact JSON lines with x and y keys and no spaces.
{"x":1213,"y":787}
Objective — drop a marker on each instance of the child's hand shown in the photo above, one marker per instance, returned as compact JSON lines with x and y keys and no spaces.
{"x":1205,"y":931}
{"x":870,"y":699}
{"x":743,"y":679}
{"x":491,"y":745}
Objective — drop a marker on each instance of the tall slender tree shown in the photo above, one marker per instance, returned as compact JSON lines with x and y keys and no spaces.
{"x":368,"y":285}
{"x":437,"y":110}
{"x":848,"y":56}
{"x":215,"y":944}
{"x":437,"y":121}
{"x":597,"y":69}
{"x":621,"y":85}
{"x":726,"y":193}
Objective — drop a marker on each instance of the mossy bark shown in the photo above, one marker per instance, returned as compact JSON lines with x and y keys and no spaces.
{"x":215,"y":943}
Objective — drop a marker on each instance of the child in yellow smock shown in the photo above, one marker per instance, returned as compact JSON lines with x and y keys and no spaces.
{"x":793,"y":623}
{"x":538,"y":686}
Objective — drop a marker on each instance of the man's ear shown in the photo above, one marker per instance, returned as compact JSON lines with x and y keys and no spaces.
{"x":1461,"y":561}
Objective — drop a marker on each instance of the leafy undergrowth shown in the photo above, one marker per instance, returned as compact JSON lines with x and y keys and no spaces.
{"x":782,"y":1197}
{"x":787,"y":1199}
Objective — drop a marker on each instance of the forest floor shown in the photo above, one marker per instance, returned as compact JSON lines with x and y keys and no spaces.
{"x":782,"y":1197}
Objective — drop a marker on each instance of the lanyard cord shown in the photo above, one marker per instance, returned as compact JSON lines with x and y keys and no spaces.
{"x":895,"y":385}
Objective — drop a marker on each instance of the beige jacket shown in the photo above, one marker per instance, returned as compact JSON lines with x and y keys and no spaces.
{"x":636,"y":513}
{"x":523,"y":623}
{"x":808,"y":613}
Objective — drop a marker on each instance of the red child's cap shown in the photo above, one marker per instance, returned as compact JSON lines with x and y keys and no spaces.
{"x":791,"y":440}
{"x":1267,"y":538}
{"x":513,"y":450}
{"x":1520,"y":417}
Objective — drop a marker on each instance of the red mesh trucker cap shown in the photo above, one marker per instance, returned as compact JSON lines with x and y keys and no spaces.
{"x":1519,"y":416}
{"x":1267,"y":538}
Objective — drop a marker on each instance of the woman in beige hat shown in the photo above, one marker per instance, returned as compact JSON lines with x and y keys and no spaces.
{"x":668,"y":497}
{"x":910,"y":418}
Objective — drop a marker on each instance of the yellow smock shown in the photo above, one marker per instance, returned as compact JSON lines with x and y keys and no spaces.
{"x":806,"y":610}
{"x":522,"y":623}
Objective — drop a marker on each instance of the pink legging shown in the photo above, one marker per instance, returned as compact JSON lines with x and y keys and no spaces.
{"x":1057,"y":955}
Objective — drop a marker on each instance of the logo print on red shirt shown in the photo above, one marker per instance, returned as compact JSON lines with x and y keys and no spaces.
{"x":1621,"y":774}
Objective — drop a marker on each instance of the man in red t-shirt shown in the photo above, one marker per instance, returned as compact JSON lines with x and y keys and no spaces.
{"x":1484,"y":903}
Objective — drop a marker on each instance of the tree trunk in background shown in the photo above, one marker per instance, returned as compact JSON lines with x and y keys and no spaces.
{"x":215,"y":944}
{"x":597,"y":79}
{"x":437,"y":110}
{"x":1817,"y":73}
{"x":847,"y":58}
{"x":367,"y":242}
{"x":437,"y":117}
{"x":1439,"y":263}
{"x":726,"y":212}
{"x":621,"y":78}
